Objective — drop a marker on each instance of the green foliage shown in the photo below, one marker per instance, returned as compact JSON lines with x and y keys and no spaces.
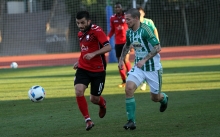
{"x":193,"y":111}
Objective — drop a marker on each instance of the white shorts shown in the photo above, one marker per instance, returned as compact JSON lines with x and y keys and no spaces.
{"x":153,"y":78}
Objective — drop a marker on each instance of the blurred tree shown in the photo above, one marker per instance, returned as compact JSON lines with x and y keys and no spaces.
{"x":179,"y":22}
{"x":96,"y":8}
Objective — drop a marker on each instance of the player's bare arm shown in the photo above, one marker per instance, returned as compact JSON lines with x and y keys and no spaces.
{"x":156,"y":49}
{"x":123,"y":54}
{"x":75,"y":65}
{"x":103,"y":50}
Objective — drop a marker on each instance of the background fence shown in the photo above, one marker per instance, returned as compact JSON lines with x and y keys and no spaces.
{"x":48,"y":26}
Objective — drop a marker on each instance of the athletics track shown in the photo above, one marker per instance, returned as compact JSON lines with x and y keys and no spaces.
{"x":167,"y":53}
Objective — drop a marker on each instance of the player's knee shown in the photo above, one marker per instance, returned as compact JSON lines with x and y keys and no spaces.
{"x":129,"y":91}
{"x":79,"y":92}
{"x":79,"y":89}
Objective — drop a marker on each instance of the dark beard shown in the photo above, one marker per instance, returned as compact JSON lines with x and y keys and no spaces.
{"x":87,"y":28}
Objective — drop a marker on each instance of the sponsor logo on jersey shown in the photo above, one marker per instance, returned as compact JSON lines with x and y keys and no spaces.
{"x":140,"y":54}
{"x":98,"y":29}
{"x":120,"y":27}
{"x":136,"y":45}
{"x":115,"y":20}
{"x":123,"y":20}
{"x":137,"y":37}
{"x":87,"y":37}
{"x":84,"y":48}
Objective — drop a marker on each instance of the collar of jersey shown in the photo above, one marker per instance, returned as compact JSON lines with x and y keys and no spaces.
{"x":119,"y":16}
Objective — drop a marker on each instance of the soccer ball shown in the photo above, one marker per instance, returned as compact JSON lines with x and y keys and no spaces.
{"x":14,"y":65}
{"x":36,"y":93}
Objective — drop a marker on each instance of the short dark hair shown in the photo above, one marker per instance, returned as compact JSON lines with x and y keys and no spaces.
{"x":134,"y":12}
{"x":118,"y":3}
{"x":140,"y":8}
{"x":83,"y":14}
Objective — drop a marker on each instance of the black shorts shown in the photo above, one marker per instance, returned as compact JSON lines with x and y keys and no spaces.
{"x":118,"y":49}
{"x":96,"y":80}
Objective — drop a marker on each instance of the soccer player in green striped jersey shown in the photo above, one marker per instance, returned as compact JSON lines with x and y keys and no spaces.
{"x":153,"y":28}
{"x":147,"y":65}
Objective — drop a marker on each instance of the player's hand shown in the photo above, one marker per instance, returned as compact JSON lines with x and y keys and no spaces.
{"x":108,"y":38}
{"x":120,"y":64}
{"x":140,"y":63}
{"x":75,"y":65}
{"x":88,"y":56}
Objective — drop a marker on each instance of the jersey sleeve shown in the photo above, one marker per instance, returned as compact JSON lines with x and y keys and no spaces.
{"x":151,"y":38}
{"x":153,"y":41}
{"x":112,"y":29}
{"x":101,"y":36}
{"x":151,"y":23}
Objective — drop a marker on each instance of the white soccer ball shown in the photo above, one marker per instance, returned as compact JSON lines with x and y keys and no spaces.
{"x":14,"y":65}
{"x":36,"y":93}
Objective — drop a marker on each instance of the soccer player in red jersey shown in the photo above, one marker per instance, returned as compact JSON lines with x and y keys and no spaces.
{"x":91,"y":66}
{"x":119,"y":28}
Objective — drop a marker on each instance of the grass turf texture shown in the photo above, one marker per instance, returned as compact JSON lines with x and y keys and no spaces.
{"x":193,"y":87}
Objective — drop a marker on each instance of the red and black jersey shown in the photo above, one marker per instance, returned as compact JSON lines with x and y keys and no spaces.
{"x":119,"y":28}
{"x":90,"y":41}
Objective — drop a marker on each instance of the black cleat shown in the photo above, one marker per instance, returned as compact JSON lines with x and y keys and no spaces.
{"x":89,"y":125}
{"x":163,"y":107}
{"x":130,"y":125}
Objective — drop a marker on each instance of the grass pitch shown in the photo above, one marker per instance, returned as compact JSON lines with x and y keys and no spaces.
{"x":193,"y":87}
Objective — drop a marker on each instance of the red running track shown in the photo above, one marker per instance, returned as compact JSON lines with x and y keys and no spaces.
{"x":167,"y":53}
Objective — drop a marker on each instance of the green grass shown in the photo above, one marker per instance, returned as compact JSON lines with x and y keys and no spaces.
{"x":193,"y":87}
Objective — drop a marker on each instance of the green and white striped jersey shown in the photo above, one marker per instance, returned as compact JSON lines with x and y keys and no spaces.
{"x":143,"y":40}
{"x":150,"y":24}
